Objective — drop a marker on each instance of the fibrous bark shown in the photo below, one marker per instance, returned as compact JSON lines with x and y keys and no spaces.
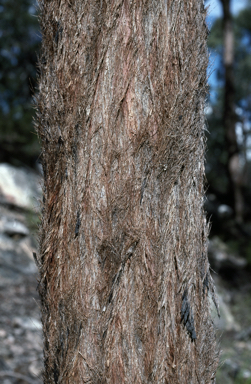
{"x":124,"y":274}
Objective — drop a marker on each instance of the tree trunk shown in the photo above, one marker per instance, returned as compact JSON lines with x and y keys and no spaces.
{"x":124,"y":274}
{"x":234,"y":170}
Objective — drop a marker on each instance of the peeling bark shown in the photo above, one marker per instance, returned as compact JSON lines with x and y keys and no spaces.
{"x":124,"y":274}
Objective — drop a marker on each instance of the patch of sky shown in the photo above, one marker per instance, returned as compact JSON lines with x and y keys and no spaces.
{"x":4,"y":105}
{"x":32,"y":10}
{"x":15,"y":49}
{"x":8,"y":55}
{"x":213,"y":81}
{"x":215,"y":7}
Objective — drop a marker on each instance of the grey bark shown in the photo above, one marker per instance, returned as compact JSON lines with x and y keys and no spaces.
{"x":124,"y":273}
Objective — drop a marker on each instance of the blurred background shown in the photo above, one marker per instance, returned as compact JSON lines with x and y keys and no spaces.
{"x":228,"y":188}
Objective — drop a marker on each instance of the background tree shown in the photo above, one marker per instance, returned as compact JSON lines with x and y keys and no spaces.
{"x":124,"y":274}
{"x":229,"y":118}
{"x":19,"y":42}
{"x":230,"y":110}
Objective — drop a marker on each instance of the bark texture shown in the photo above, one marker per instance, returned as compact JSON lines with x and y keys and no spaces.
{"x":123,"y":240}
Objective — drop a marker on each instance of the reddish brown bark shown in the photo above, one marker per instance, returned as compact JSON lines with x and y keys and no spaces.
{"x":123,"y":241}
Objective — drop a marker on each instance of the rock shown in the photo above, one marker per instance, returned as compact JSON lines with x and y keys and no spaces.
{"x":12,"y":227}
{"x":35,"y":368}
{"x":27,"y":323}
{"x":245,"y":334}
{"x":2,"y":333}
{"x":19,"y":187}
{"x":3,"y":365}
{"x":20,"y":326}
{"x":15,"y":260}
{"x":226,"y":321}
{"x":232,"y":368}
{"x":246,"y":374}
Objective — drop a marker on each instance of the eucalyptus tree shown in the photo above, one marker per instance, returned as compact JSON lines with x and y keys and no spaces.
{"x":124,"y":273}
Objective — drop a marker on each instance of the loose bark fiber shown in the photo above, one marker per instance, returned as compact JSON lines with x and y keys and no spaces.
{"x":124,"y":274}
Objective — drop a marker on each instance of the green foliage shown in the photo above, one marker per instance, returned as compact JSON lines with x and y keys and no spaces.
{"x":242,"y":380}
{"x":19,"y":42}
{"x":244,"y":17}
{"x":32,"y":221}
{"x":215,"y":40}
{"x":248,"y":252}
{"x":216,"y":157}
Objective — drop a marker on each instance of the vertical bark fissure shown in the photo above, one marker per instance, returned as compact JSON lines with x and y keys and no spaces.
{"x":123,"y":239}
